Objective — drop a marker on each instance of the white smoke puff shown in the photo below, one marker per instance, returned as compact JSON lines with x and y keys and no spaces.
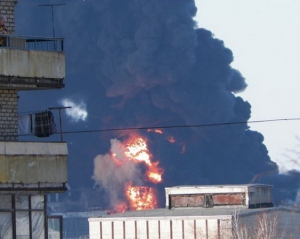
{"x":77,"y":112}
{"x":113,"y":176}
{"x":117,"y":148}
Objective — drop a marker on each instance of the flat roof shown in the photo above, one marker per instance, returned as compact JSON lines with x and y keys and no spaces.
{"x":193,"y":212}
{"x":221,"y":186}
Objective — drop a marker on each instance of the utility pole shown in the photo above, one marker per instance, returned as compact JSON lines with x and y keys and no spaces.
{"x":52,"y":11}
{"x":60,"y":123}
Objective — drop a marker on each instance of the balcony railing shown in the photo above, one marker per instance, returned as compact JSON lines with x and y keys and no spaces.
{"x":32,"y":43}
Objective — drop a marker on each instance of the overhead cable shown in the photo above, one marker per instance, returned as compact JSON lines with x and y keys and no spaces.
{"x":172,"y":126}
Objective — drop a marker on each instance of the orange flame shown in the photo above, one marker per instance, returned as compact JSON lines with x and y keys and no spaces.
{"x":122,"y":207}
{"x":135,"y":149}
{"x":158,"y":131}
{"x":116,"y":160}
{"x":141,"y":197}
{"x":154,"y":173}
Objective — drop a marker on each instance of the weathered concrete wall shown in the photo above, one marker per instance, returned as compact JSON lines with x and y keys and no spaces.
{"x":33,"y":162}
{"x":34,"y":64}
{"x":7,"y":8}
{"x":273,"y":223}
{"x":8,"y":115}
{"x":160,"y":227}
{"x":250,"y":195}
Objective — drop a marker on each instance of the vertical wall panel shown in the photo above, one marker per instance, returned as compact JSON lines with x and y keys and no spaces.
{"x":212,"y":228}
{"x":189,"y":229}
{"x":153,"y":229}
{"x":106,"y":230}
{"x":141,"y":229}
{"x":130,"y":229}
{"x":201,"y":231}
{"x":177,"y":229}
{"x":118,"y":230}
{"x":165,"y":228}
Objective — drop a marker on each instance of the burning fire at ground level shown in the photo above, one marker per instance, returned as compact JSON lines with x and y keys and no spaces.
{"x":126,"y":160}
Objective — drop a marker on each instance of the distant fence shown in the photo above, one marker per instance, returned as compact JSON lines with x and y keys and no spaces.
{"x":33,"y":43}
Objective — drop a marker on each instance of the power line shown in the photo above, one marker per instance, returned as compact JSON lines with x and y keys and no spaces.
{"x":173,"y":126}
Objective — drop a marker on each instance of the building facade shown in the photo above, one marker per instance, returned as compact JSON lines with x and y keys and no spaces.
{"x":28,"y":170}
{"x":210,"y":212}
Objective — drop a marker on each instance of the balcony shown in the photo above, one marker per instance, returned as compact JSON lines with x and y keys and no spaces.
{"x":33,"y":166}
{"x":28,"y":63}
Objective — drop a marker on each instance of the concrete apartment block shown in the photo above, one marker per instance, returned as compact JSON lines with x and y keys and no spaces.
{"x":8,"y":115}
{"x":28,"y":170}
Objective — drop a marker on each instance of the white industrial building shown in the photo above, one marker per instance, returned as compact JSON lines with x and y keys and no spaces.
{"x":194,"y":212}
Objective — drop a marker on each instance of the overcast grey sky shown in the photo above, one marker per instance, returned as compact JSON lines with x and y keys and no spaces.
{"x":264,"y":37}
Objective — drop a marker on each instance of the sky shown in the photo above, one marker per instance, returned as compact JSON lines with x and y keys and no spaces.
{"x":264,"y":38}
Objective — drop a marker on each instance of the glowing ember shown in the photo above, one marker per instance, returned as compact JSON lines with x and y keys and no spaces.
{"x":158,"y":131}
{"x":116,"y":160}
{"x":141,"y":198}
{"x":155,"y":177}
{"x":171,"y":139}
{"x":122,"y":207}
{"x":154,"y":173}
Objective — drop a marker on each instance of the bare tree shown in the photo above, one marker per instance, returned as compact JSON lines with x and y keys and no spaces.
{"x":263,"y":226}
{"x":239,"y":230}
{"x":267,"y":227}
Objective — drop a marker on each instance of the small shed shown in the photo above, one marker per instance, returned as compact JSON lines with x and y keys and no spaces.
{"x":249,"y":195}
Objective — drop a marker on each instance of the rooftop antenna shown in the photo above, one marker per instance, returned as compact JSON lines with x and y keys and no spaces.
{"x":52,"y":6}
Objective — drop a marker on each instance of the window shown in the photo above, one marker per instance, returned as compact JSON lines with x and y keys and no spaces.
{"x":55,"y":227}
{"x":23,"y":216}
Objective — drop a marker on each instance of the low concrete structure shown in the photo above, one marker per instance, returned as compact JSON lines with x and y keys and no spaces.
{"x":248,"y":195}
{"x":184,"y":222}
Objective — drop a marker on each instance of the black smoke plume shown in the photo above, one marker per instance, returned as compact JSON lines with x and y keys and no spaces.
{"x":147,"y":63}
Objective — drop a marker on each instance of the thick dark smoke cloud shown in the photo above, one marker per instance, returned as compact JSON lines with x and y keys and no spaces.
{"x":147,"y":63}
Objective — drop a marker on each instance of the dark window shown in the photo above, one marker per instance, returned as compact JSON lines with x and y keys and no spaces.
{"x":23,"y":216}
